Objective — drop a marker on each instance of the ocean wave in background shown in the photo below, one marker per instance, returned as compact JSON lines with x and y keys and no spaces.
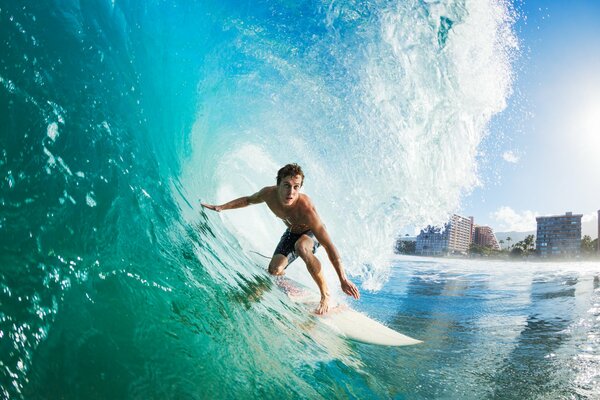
{"x":384,"y":105}
{"x":117,"y":116}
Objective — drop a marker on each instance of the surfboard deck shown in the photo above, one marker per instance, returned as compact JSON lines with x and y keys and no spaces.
{"x":345,"y":321}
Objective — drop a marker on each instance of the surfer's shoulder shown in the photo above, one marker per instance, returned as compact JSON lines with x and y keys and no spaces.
{"x":268,"y":193}
{"x":307,"y":204}
{"x":303,"y":199}
{"x":260,"y":196}
{"x":306,"y":198}
{"x":267,"y":190}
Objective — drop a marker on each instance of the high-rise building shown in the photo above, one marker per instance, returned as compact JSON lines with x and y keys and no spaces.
{"x":461,"y":230}
{"x":454,"y":237}
{"x":559,"y":235}
{"x":484,"y":236}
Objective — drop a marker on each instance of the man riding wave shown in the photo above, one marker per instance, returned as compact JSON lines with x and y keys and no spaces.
{"x":304,"y":234}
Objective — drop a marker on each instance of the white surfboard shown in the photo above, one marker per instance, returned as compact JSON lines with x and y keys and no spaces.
{"x":345,"y":321}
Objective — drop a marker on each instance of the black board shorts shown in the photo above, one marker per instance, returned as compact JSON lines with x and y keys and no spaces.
{"x":288,"y":241}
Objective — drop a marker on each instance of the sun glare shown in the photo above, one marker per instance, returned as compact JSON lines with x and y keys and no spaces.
{"x":586,"y":127}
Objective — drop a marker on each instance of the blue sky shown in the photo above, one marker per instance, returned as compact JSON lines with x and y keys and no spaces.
{"x":542,"y":156}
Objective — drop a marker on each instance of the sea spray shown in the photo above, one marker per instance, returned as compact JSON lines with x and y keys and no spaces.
{"x":384,"y":105}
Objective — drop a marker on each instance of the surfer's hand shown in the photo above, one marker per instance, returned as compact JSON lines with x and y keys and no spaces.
{"x":350,"y":289}
{"x":211,"y":207}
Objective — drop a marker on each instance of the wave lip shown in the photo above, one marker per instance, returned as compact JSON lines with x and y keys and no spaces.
{"x":385,"y":107}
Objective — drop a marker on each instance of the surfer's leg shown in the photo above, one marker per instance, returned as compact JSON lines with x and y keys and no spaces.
{"x":305,"y":247}
{"x":278,"y":264}
{"x":284,"y":254}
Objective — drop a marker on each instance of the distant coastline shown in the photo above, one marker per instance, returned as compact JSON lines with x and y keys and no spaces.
{"x":507,"y":257}
{"x":559,"y":237}
{"x":514,"y":250}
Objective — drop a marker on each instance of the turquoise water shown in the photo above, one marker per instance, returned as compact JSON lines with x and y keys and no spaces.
{"x":118,"y":116}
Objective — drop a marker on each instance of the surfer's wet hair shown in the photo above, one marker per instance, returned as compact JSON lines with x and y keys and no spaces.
{"x":290,"y":170}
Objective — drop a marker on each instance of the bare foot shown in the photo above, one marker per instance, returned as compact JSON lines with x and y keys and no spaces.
{"x":323,"y":306}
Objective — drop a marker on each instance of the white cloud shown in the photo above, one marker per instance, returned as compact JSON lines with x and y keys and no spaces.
{"x":509,"y":220}
{"x":589,"y":217}
{"x":510,"y":157}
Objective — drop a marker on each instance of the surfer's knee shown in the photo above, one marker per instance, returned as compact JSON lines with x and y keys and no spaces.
{"x":276,"y":269}
{"x":277,"y":265}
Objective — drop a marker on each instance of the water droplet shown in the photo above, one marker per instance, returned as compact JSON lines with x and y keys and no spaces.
{"x":10,"y":179}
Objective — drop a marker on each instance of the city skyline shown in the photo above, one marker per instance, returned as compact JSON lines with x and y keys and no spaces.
{"x":555,"y":235}
{"x":500,"y":237}
{"x":538,"y":158}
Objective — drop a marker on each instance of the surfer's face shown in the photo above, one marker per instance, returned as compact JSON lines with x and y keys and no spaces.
{"x":289,"y":189}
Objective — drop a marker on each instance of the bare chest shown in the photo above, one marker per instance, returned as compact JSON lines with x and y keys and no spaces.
{"x":294,"y":219}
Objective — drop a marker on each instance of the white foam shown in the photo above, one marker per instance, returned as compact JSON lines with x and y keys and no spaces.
{"x":387,"y":132}
{"x":52,"y":131}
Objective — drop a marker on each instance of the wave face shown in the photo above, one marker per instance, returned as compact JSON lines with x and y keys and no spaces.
{"x":118,"y":115}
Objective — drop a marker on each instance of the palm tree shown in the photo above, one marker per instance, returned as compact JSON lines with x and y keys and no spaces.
{"x":508,"y":239}
{"x":529,"y":243}
{"x":501,"y":243}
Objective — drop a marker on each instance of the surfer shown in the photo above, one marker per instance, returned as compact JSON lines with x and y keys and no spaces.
{"x":304,"y":234}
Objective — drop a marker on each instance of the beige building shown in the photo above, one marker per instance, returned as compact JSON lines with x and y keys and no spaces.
{"x":460,"y":235}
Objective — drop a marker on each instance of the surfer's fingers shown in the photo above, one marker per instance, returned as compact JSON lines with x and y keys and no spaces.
{"x":352,"y":291}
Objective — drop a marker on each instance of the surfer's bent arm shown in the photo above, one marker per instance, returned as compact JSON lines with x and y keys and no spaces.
{"x":334,"y":256}
{"x":245,"y":201}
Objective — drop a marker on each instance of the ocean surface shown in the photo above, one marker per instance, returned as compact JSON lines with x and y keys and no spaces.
{"x":117,"y":117}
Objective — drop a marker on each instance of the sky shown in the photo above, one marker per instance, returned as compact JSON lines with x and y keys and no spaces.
{"x":542,"y":153}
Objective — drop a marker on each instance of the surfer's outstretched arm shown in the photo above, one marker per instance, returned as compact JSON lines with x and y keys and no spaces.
{"x":245,"y":201}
